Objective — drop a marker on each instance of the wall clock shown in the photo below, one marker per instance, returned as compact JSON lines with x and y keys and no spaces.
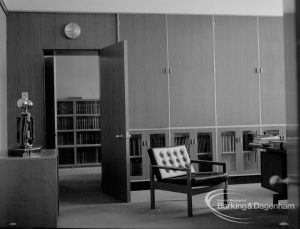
{"x":72,"y":30}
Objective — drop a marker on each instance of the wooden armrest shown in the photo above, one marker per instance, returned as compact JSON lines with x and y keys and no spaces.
{"x":211,"y":162}
{"x":170,"y":167}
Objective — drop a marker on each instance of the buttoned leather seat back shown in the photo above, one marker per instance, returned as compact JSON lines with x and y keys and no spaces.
{"x":176,"y":156}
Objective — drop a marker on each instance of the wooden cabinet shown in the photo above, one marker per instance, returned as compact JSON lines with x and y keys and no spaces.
{"x":272,"y":77}
{"x":78,"y":132}
{"x":212,"y":82}
{"x":147,"y":63}
{"x":29,"y":191}
{"x":236,"y":78}
{"x":190,"y":51}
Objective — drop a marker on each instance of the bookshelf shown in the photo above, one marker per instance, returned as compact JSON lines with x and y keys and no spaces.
{"x":78,"y":132}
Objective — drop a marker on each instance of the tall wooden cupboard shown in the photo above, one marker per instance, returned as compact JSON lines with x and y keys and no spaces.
{"x":202,"y":81}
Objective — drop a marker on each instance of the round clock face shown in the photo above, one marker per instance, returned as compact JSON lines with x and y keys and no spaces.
{"x":72,"y":30}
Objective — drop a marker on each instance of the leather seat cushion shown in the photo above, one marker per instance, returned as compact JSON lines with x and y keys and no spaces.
{"x":199,"y":179}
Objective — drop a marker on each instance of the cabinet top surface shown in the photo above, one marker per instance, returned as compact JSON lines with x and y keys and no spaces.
{"x":45,"y":154}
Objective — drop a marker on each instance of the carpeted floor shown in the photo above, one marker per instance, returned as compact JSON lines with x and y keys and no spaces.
{"x":83,"y":205}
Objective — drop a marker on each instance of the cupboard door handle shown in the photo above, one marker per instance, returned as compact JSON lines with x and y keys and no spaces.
{"x":119,"y":136}
{"x":261,"y":70}
{"x":143,"y":143}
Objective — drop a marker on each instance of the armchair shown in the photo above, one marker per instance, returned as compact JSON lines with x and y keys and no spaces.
{"x":174,"y":172}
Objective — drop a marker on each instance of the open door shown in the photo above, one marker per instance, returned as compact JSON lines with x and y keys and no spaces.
{"x":114,"y":121}
{"x":292,"y":82}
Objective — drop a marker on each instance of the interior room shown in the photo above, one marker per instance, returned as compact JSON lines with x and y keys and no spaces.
{"x":149,"y":114}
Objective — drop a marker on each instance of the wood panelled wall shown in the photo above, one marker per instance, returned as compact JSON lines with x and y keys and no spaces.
{"x":3,"y":83}
{"x":28,"y":35}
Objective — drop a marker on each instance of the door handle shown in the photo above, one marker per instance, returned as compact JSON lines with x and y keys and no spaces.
{"x":119,"y":136}
{"x":274,"y":180}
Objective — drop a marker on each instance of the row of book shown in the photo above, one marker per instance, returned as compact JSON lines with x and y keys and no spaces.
{"x":88,"y":155}
{"x":204,"y":143}
{"x":65,"y":123}
{"x":157,"y":140}
{"x":88,"y":138}
{"x":135,"y":146}
{"x":228,"y":142}
{"x":136,"y":167}
{"x":66,"y":156}
{"x":88,"y":122}
{"x":88,"y":107}
{"x":182,"y":140}
{"x":65,"y":107}
{"x":65,"y":138}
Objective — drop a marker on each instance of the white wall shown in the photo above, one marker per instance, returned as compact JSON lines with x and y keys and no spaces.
{"x":77,"y":76}
{"x":3,"y":85}
{"x":216,"y":7}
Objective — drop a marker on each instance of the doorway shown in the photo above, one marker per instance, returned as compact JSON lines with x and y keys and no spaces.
{"x":78,"y":133}
{"x":74,"y":122}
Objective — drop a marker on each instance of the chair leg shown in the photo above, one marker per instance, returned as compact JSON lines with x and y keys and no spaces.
{"x":152,"y":196}
{"x":225,"y":193}
{"x":190,"y":205}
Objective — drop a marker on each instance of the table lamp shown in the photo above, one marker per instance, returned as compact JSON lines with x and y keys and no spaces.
{"x":25,"y":125}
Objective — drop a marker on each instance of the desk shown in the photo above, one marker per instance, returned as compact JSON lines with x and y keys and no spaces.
{"x":273,"y":162}
{"x":28,"y":193}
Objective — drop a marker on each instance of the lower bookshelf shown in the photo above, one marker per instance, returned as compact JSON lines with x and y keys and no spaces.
{"x":89,"y":155}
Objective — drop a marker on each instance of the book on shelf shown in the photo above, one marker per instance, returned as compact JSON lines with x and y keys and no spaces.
{"x":136,"y":168}
{"x":157,"y":140}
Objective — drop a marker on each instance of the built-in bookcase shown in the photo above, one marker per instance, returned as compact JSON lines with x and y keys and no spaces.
{"x":78,"y":132}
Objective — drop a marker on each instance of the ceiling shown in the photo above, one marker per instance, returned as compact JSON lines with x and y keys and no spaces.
{"x":216,"y":7}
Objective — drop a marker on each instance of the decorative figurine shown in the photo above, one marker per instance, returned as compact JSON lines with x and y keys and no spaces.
{"x":25,"y":125}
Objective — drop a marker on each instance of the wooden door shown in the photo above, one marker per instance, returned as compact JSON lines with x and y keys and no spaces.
{"x":272,"y":64}
{"x":190,"y":42}
{"x":236,"y":62}
{"x":114,"y":121}
{"x":147,"y":61}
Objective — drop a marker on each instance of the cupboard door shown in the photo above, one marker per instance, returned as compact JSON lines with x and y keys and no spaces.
{"x":272,"y":63}
{"x":236,"y":61}
{"x":147,"y":60}
{"x":205,"y":148}
{"x":137,"y":156}
{"x":228,"y":147}
{"x":249,"y":159}
{"x":190,"y":42}
{"x":153,"y":139}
